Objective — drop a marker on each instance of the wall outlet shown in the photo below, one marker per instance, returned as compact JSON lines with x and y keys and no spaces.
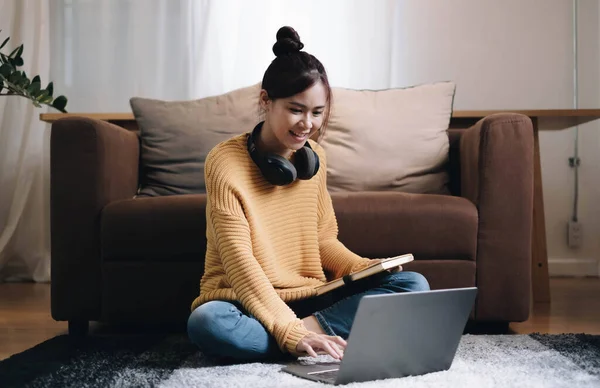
{"x":574,"y":234}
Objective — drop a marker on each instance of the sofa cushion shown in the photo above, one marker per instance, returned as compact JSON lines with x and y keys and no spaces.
{"x":371,"y":224}
{"x":384,"y":224}
{"x":389,"y":140}
{"x":170,"y":228}
{"x":176,"y":136}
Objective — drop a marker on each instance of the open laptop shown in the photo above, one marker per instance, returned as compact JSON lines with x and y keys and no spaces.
{"x":396,"y":335}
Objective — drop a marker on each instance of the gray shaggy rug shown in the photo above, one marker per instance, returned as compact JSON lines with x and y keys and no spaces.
{"x":169,"y":360}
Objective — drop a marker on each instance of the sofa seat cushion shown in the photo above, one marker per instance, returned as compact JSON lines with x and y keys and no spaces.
{"x":371,"y":224}
{"x":384,"y":224}
{"x":169,"y":228}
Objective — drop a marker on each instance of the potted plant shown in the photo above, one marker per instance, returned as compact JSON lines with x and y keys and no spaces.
{"x":14,"y":82}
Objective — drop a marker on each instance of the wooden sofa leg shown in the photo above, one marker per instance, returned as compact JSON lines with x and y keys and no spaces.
{"x":78,"y":328}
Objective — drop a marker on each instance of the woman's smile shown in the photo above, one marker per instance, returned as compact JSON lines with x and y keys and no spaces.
{"x":299,"y":136}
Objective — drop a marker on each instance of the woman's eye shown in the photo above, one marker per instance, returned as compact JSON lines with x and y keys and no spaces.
{"x":317,"y":113}
{"x":295,"y":110}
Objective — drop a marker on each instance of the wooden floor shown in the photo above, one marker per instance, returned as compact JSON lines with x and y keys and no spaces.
{"x":25,"y":319}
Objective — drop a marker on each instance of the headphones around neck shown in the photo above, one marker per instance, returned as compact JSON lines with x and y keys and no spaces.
{"x":278,"y":170}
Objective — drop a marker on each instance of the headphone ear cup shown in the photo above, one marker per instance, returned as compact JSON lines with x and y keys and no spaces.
{"x":278,"y":170}
{"x":307,"y":163}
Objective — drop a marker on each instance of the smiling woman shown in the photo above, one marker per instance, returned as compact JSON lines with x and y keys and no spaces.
{"x":296,"y":96}
{"x":292,"y":120}
{"x":272,"y":234}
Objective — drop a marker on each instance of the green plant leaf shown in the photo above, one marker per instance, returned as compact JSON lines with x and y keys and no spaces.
{"x":15,"y":82}
{"x":16,"y":62}
{"x":4,"y":43}
{"x":43,"y":94}
{"x":60,"y":103}
{"x":14,"y":77}
{"x":19,"y":79}
{"x":6,"y":70}
{"x":46,"y":100}
{"x":14,"y":52}
{"x":34,"y":88}
{"x":40,"y":94}
{"x":24,"y":83}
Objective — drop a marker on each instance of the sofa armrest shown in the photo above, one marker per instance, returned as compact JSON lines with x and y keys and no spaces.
{"x":496,"y":157}
{"x":92,"y":163}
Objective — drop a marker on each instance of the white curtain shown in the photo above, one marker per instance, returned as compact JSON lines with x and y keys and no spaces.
{"x":24,"y":157}
{"x":106,"y":51}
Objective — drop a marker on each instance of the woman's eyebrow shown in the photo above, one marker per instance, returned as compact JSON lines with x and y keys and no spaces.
{"x":304,"y":106}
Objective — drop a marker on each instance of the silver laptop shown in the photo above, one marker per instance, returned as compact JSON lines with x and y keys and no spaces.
{"x":397,"y":335}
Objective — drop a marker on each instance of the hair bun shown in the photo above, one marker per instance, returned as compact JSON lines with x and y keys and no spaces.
{"x":288,"y":42}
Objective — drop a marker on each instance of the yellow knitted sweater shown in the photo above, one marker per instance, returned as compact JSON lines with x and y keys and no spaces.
{"x":267,"y":244}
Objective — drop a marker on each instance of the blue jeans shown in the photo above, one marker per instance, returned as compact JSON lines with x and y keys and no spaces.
{"x":226,"y":331}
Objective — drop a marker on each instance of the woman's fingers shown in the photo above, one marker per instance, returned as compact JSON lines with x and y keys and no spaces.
{"x":337,"y":345}
{"x":340,"y":341}
{"x":311,"y":352}
{"x":333,"y":350}
{"x":323,"y":344}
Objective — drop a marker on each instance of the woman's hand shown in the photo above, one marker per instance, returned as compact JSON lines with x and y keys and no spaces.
{"x":391,"y":270}
{"x":314,"y":344}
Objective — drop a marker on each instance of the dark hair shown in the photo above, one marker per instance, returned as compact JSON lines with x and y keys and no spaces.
{"x":294,"y":71}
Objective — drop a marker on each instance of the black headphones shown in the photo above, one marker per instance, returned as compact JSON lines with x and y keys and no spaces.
{"x":278,"y":170}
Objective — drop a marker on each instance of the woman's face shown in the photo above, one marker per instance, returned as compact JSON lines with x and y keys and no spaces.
{"x":290,"y":121}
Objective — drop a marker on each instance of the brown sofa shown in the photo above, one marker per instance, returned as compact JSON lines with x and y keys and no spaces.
{"x":119,"y":259}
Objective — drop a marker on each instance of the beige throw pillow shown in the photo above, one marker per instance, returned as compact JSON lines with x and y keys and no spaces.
{"x":393,"y":139}
{"x":176,"y":136}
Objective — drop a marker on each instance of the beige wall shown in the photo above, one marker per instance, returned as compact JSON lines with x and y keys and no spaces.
{"x":516,"y":54}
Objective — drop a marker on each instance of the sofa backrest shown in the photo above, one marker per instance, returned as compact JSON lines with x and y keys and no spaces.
{"x":377,"y":140}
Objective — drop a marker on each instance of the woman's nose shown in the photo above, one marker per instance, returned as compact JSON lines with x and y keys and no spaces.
{"x":307,"y":123}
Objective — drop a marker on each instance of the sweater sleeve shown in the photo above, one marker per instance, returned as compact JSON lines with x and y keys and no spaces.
{"x":337,"y":260}
{"x":250,"y":283}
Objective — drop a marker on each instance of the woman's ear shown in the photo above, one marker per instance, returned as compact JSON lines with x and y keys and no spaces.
{"x":264,"y":100}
